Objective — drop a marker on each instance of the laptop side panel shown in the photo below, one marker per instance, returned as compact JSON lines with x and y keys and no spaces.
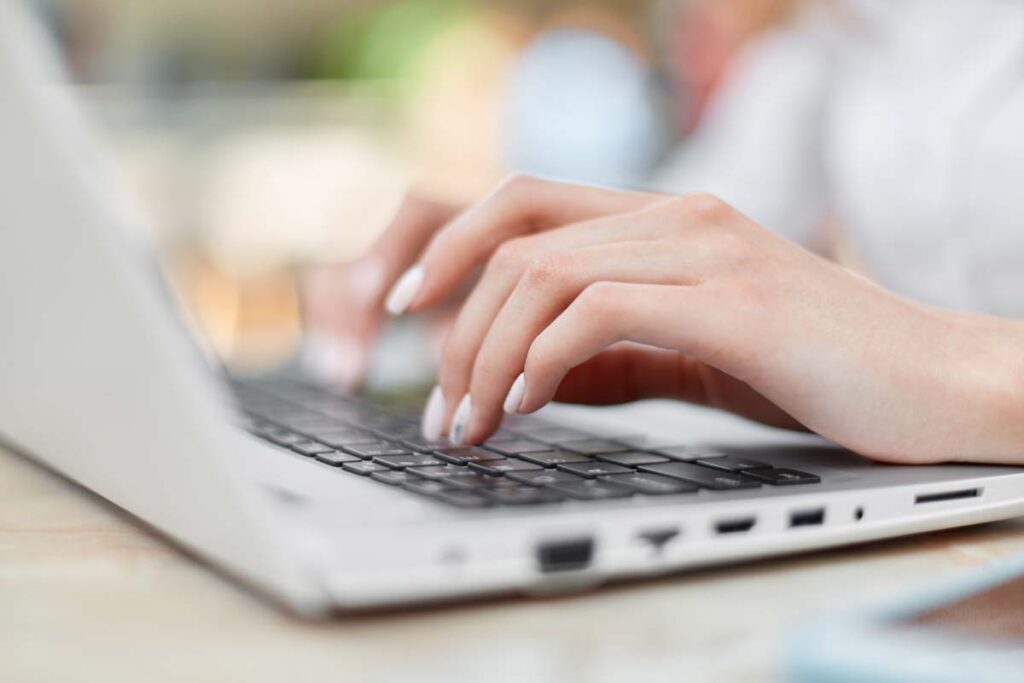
{"x":96,"y":379}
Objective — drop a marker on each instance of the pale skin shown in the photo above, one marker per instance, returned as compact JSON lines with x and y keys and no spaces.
{"x":597,"y":296}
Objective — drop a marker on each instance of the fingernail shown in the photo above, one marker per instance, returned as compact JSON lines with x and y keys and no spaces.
{"x":515,"y":395}
{"x":337,"y":361}
{"x":461,"y":421}
{"x":404,"y":291}
{"x":433,"y":416}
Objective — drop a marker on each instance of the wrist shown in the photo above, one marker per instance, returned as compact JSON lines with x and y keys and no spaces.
{"x":993,"y":350}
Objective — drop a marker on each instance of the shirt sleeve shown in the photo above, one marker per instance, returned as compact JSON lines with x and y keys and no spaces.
{"x":759,"y":146}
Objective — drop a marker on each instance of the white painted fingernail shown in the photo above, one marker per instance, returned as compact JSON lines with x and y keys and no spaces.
{"x":461,"y":421}
{"x":404,"y":291}
{"x":515,"y":395}
{"x":337,"y":361}
{"x":433,"y":416}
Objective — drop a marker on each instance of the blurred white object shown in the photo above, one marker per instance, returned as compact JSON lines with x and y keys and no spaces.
{"x":297,"y":194}
{"x":905,"y":120}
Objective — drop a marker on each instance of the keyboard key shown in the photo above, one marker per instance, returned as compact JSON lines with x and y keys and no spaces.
{"x":653,"y":484}
{"x":343,"y":437}
{"x":444,"y":471}
{"x":363,"y":467}
{"x":544,"y":477}
{"x":593,"y":446}
{"x":395,"y":478}
{"x":504,"y":434}
{"x":524,"y":495}
{"x":310,"y":448}
{"x":519,"y":422}
{"x":464,"y":499}
{"x":498,"y":467}
{"x":781,"y":476}
{"x":594,"y":468}
{"x":552,"y":458}
{"x":375,"y":448}
{"x":309,"y":424}
{"x":466,"y":454}
{"x":552,"y":434}
{"x":418,"y":443}
{"x":340,"y":412}
{"x":399,"y":462}
{"x":632,"y":458}
{"x":480,"y":481}
{"x":702,"y":476}
{"x":689,"y":452}
{"x":592,"y":489}
{"x":392,"y":423}
{"x":516,"y":446}
{"x":732,"y":463}
{"x":426,"y":487}
{"x":336,"y":459}
{"x":282,"y":437}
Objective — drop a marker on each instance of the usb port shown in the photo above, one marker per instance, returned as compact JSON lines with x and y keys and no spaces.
{"x":735,"y":526}
{"x":807,"y":517}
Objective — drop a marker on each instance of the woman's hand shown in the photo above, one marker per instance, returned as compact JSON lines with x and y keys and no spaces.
{"x":345,"y":304}
{"x":598,"y":296}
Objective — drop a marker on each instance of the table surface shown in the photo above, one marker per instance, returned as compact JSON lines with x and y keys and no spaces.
{"x":87,"y":594}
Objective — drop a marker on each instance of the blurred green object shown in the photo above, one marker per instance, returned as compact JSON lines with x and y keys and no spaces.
{"x":384,"y":42}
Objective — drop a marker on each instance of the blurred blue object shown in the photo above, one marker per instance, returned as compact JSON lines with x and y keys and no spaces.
{"x":584,"y":108}
{"x":885,"y":645}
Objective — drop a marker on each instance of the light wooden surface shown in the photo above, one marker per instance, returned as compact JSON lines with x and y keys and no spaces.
{"x":88,"y":595}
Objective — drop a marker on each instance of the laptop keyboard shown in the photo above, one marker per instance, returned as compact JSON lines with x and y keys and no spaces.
{"x":528,"y":462}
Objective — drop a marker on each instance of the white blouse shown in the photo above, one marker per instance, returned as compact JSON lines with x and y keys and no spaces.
{"x":900,"y":120}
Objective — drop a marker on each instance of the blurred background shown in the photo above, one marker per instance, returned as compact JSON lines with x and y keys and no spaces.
{"x":259,"y":137}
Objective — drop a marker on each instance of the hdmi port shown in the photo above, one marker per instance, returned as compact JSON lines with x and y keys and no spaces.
{"x":735,"y":526}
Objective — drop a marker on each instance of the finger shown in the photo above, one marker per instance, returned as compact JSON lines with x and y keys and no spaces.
{"x":631,"y":372}
{"x":519,"y":207}
{"x":418,"y":219}
{"x":342,"y":303}
{"x":340,"y":322}
{"x":690,"y":320}
{"x":627,"y":372}
{"x":504,"y":270}
{"x":549,"y":284}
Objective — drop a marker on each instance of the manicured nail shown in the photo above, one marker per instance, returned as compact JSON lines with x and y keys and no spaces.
{"x":461,"y":421}
{"x":337,"y":361}
{"x":404,"y":291}
{"x":433,"y":416}
{"x":515,"y":395}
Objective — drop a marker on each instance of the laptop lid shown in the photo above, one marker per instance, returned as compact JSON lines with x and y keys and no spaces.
{"x":97,"y":378}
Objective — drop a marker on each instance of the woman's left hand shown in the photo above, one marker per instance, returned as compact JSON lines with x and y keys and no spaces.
{"x":685,"y":297}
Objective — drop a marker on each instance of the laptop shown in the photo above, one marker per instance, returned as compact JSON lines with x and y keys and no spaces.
{"x":328,"y":502}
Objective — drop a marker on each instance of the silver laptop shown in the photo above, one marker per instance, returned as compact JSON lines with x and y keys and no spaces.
{"x":328,"y":502}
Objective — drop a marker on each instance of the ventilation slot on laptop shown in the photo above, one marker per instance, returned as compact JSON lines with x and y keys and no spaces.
{"x":942,"y":496}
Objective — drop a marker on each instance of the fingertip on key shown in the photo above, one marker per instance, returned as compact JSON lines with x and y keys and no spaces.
{"x":460,"y":422}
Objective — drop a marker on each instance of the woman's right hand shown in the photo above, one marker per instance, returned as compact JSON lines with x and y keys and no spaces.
{"x":344,"y":304}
